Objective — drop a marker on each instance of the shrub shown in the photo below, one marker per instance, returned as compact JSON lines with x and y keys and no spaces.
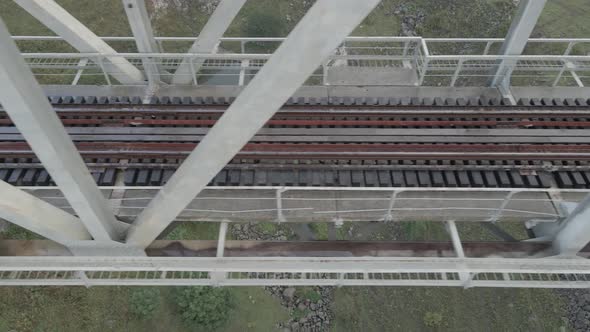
{"x":433,"y":319}
{"x":144,"y":301}
{"x":204,"y":307}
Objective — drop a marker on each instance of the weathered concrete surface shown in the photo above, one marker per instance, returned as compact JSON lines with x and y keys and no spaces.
{"x":383,"y":76}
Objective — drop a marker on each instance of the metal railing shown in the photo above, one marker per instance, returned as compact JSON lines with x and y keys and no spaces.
{"x":422,"y":61}
{"x":341,"y":204}
{"x":543,"y":271}
{"x":296,"y":271}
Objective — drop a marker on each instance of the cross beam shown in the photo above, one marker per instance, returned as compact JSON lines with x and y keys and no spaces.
{"x":209,"y":38}
{"x":141,"y":27}
{"x":80,"y":37}
{"x":24,"y":101}
{"x":519,"y":33}
{"x":38,"y":216}
{"x":316,"y":36}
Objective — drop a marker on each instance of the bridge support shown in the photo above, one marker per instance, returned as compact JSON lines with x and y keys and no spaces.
{"x":209,"y":39}
{"x":36,"y":215}
{"x":574,"y":235}
{"x":24,"y":101}
{"x":520,"y":31}
{"x":143,"y":33}
{"x":81,"y":38}
{"x":316,"y":36}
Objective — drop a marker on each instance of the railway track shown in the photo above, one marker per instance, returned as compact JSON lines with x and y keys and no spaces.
{"x":336,"y":142}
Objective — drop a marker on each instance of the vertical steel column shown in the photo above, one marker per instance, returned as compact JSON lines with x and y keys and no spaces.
{"x":574,"y":235}
{"x":80,"y":37}
{"x":209,"y":38}
{"x":520,"y":31}
{"x":316,"y":36}
{"x":28,"y":108}
{"x":141,"y":27}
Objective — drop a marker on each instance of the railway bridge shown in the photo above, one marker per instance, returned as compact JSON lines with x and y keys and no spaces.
{"x":102,"y":153}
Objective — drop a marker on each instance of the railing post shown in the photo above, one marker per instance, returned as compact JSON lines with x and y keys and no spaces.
{"x":82,"y":63}
{"x":325,"y":73}
{"x":193,"y":72}
{"x":389,"y":215}
{"x":280,"y":215}
{"x":423,"y":72}
{"x":569,"y":48}
{"x":104,"y":72}
{"x":406,"y":47}
{"x":496,"y":216}
{"x":456,"y":74}
{"x":486,"y":50}
{"x":560,"y":74}
{"x":221,"y":239}
{"x":424,"y":47}
{"x":244,"y":66}
{"x":464,"y":276}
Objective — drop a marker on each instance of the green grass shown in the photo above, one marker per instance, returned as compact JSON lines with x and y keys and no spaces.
{"x":564,"y":18}
{"x":309,"y":293}
{"x":423,"y":231}
{"x":320,"y":230}
{"x":14,"y":232}
{"x":194,"y":231}
{"x":268,"y":228}
{"x":474,"y":232}
{"x":404,"y":309}
{"x":78,"y":309}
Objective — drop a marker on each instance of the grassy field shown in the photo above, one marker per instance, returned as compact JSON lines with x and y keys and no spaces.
{"x":405,"y":309}
{"x":107,"y":309}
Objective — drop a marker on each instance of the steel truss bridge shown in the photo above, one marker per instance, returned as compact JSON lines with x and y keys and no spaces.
{"x":102,"y":152}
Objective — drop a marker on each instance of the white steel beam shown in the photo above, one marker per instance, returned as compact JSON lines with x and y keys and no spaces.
{"x":141,"y":27}
{"x":575,"y":232}
{"x":367,"y":264}
{"x":24,"y":101}
{"x":316,"y":36}
{"x":209,"y":38}
{"x":81,"y":38}
{"x":518,"y":35}
{"x":36,"y":215}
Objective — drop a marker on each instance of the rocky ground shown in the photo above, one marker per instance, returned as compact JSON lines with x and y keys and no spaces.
{"x":310,"y":307}
{"x":255,"y":232}
{"x":309,"y":312}
{"x":578,"y":308}
{"x":410,"y":19}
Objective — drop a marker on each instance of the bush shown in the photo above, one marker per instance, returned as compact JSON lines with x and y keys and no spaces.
{"x":144,"y":301}
{"x":204,"y":307}
{"x":433,"y":319}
